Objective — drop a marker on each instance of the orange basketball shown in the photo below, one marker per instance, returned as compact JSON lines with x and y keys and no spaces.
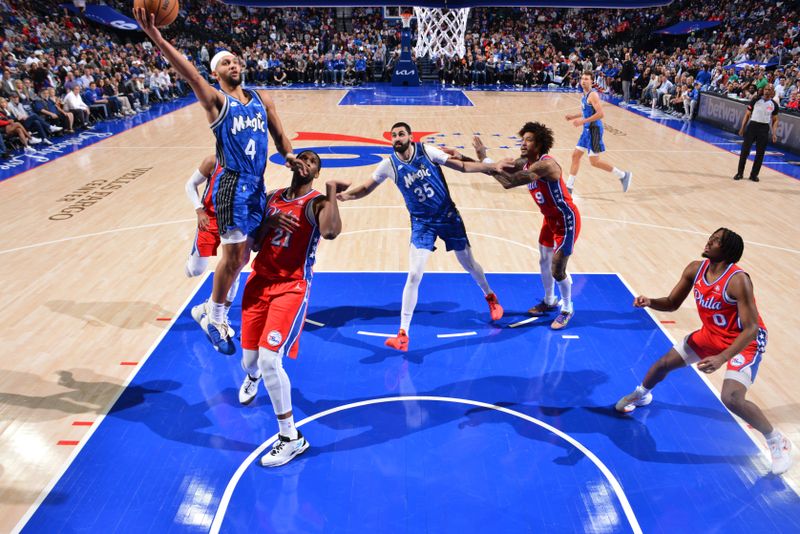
{"x":165,"y":10}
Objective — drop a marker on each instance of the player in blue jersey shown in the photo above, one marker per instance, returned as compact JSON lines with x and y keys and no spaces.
{"x":415,"y":170}
{"x":239,"y":119}
{"x":591,"y":141}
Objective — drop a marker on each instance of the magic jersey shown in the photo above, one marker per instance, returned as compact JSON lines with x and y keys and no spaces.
{"x":553,"y":198}
{"x":290,"y":255}
{"x":588,"y":110}
{"x":420,"y":181}
{"x":718,"y":311}
{"x":242,"y":138}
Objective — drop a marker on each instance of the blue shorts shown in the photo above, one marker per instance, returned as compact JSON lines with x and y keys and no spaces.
{"x":591,"y":140}
{"x":448,"y":227}
{"x":240,"y":202}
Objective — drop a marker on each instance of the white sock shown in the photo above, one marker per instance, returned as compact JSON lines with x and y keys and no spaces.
{"x":546,"y":267}
{"x":774,"y":435}
{"x":286,"y":427}
{"x":643,"y":390}
{"x":467,"y":261}
{"x":250,"y":362}
{"x":216,"y":312}
{"x":565,"y":287}
{"x":416,"y":268}
{"x":619,"y":173}
{"x":571,"y":180}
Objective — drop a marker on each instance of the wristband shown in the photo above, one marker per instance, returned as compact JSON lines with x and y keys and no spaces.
{"x":488,"y":161}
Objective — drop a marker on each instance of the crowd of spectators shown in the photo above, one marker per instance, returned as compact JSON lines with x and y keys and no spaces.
{"x":60,"y":73}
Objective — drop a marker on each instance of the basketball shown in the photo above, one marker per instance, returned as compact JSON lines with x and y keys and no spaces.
{"x":165,"y":10}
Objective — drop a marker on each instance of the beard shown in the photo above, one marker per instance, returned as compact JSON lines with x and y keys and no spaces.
{"x":230,"y":81}
{"x":401,"y":147}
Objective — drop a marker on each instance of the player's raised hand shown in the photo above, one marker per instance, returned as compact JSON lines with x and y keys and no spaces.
{"x":147,"y":21}
{"x":297,"y":165}
{"x":338,"y":186}
{"x":641,"y":301}
{"x":480,"y":148}
{"x":285,"y":221}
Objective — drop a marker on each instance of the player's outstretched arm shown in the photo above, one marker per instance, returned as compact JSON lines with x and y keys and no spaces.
{"x":358,"y":191}
{"x":513,"y":174}
{"x":327,"y":209}
{"x":676,"y":296}
{"x":209,"y":98}
{"x":282,"y":142}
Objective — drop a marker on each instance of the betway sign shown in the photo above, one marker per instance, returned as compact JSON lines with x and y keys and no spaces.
{"x":728,"y":115}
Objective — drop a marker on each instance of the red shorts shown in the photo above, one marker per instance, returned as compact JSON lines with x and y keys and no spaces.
{"x":554,"y":234}
{"x":273,"y":314}
{"x":742,"y":367}
{"x":206,"y":242}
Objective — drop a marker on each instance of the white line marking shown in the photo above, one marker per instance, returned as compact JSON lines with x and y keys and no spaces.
{"x":315,"y":323}
{"x":526,"y":321}
{"x":728,"y":143}
{"x":398,"y":206}
{"x":782,"y":163}
{"x":458,"y":334}
{"x":102,"y":414}
{"x":570,"y":336}
{"x":374,"y":334}
{"x":613,"y":482}
{"x":761,"y":446}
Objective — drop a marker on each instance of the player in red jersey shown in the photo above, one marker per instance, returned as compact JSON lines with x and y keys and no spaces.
{"x":562,"y":221}
{"x":206,"y":241}
{"x":732,"y":334}
{"x":276,"y":294}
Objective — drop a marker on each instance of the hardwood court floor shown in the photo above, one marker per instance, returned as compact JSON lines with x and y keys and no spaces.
{"x":85,"y":293}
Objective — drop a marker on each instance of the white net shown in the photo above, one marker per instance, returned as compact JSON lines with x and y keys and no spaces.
{"x":440,"y":32}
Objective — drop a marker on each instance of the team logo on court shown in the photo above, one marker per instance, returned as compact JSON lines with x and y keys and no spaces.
{"x":274,"y":338}
{"x":737,"y":360}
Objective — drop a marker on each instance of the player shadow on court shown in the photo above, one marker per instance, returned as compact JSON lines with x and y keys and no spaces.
{"x":339,"y":316}
{"x":127,"y":315}
{"x":561,"y":399}
{"x":171,"y":417}
{"x":88,"y":394}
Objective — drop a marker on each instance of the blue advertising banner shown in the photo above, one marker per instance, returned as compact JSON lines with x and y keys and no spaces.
{"x":105,"y":15}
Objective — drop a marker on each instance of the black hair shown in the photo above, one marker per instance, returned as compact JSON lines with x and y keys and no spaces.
{"x":402,"y":125}
{"x":542,"y":135}
{"x":732,"y":245}
{"x":316,"y":156}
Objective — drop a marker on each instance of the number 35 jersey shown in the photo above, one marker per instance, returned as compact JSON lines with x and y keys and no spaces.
{"x":289,"y":255}
{"x":420,"y":181}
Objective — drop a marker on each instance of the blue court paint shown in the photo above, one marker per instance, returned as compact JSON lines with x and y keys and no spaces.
{"x":161,"y":459}
{"x":386,"y":95}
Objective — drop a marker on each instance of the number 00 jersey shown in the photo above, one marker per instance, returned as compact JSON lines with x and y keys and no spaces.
{"x":420,"y":181}
{"x":290,"y":255}
{"x":718,"y":311}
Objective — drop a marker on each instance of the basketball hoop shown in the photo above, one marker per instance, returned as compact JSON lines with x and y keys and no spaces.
{"x":440,"y":31}
{"x":406,"y":18}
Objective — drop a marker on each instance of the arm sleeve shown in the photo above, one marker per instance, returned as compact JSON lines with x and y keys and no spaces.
{"x":437,"y":155}
{"x":383,"y":171}
{"x":191,"y":189}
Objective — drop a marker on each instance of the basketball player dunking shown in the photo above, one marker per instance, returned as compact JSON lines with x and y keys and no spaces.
{"x":415,"y":169}
{"x":591,"y":140}
{"x":733,"y":335}
{"x":239,"y":119}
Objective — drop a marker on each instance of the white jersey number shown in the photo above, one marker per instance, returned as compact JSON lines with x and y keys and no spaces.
{"x":281,"y":238}
{"x":424,"y":192}
{"x":250,"y":149}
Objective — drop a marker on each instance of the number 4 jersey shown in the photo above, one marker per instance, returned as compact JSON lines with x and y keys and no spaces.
{"x":420,"y":181}
{"x":718,"y":311}
{"x":290,"y":255}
